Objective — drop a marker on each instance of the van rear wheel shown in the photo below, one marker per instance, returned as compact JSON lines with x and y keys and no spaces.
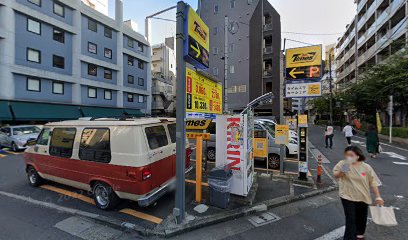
{"x":211,"y":154}
{"x":34,"y":178}
{"x":104,"y":196}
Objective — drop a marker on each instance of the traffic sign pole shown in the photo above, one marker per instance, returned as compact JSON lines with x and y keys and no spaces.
{"x":179,"y":210}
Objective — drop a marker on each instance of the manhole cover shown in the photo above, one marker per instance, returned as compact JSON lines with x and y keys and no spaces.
{"x":263,"y":218}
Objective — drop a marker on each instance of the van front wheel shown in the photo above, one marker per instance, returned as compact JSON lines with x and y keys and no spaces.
{"x":104,"y":196}
{"x":33,"y":177}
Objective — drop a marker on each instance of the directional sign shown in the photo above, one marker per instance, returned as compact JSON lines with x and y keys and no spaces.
{"x":298,"y":90}
{"x":190,"y":135}
{"x":304,"y":63}
{"x":203,"y":94}
{"x":197,"y":124}
{"x":197,"y":41}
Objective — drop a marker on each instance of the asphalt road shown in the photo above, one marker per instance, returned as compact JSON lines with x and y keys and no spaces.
{"x":308,"y":219}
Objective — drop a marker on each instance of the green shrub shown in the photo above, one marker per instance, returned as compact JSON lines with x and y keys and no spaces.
{"x":396,"y":132}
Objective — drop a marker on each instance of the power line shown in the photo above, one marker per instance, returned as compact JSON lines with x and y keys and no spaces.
{"x":314,"y":34}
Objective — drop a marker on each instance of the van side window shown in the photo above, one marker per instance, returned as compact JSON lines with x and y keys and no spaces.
{"x":156,"y":136}
{"x":172,"y":132}
{"x":62,"y":142}
{"x":95,"y":145}
{"x":44,"y":137}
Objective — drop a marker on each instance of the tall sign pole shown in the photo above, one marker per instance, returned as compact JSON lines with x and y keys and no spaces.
{"x":390,"y":112}
{"x":226,"y":64}
{"x":179,"y":210}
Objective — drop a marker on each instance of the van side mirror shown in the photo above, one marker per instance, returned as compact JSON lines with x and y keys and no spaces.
{"x":31,"y":142}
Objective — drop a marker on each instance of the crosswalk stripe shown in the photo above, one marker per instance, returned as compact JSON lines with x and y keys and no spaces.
{"x":333,"y":235}
{"x":401,"y":163}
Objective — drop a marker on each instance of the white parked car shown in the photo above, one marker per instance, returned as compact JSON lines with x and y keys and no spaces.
{"x":16,"y":137}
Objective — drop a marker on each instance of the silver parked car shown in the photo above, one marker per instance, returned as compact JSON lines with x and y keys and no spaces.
{"x":16,"y":137}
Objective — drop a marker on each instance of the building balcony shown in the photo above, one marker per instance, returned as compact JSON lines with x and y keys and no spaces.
{"x":267,"y":73}
{"x":268,"y":50}
{"x":346,"y":56}
{"x":361,"y":4}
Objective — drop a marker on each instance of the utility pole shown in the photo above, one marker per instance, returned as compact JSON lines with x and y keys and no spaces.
{"x":226,"y":64}
{"x":179,"y":209}
{"x":390,"y":112}
{"x":331,"y":90}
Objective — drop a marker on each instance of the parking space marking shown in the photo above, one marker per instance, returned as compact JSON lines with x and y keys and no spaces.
{"x":69,"y":194}
{"x":2,"y":156}
{"x":141,"y":215}
{"x":273,"y":170}
{"x":13,"y":153}
{"x":192,"y":181}
{"x":290,"y":160}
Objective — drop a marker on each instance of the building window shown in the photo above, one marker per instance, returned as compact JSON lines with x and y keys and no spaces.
{"x":140,"y":82}
{"x":140,"y":47}
{"x":231,"y":47}
{"x":58,"y":35}
{"x":131,"y":79}
{"x":130,"y":42}
{"x":92,"y":25}
{"x":58,"y":61}
{"x":108,"y":53}
{"x":62,"y":142}
{"x":232,"y":3}
{"x":130,"y":60}
{"x":92,"y":48}
{"x":156,"y":137}
{"x":141,"y":99}
{"x":215,"y":30}
{"x":33,"y":55}
{"x":215,"y":71}
{"x":92,"y":70}
{"x":33,"y":26}
{"x":215,"y":9}
{"x":107,"y":73}
{"x":95,"y":145}
{"x":59,"y":9}
{"x":107,"y":95}
{"x":57,"y":88}
{"x":108,"y":32}
{"x":130,"y":97}
{"x":33,"y":85}
{"x":232,"y":69}
{"x":140,"y":64}
{"x":36,"y":2}
{"x":215,"y":50}
{"x":92,"y":93}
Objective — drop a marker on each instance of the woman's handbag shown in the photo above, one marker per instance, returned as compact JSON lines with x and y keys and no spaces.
{"x":384,"y":216}
{"x":379,"y":149}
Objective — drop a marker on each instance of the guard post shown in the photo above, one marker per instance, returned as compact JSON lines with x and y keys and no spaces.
{"x":199,"y":168}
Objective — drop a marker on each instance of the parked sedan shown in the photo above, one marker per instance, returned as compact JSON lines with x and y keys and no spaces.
{"x":16,"y":137}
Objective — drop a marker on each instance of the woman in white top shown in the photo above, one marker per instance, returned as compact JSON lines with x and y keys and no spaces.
{"x":348,"y":132}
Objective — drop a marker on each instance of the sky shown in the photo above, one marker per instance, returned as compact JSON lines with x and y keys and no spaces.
{"x":300,"y":16}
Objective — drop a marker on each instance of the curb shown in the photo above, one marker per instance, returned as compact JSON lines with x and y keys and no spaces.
{"x":240,"y":212}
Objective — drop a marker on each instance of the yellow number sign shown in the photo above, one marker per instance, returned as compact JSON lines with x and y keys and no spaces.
{"x":281,"y":134}
{"x":203,"y":94}
{"x":314,"y":89}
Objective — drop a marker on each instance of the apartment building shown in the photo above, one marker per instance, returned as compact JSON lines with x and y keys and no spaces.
{"x":164,"y":78}
{"x":253,"y":47}
{"x":61,"y":57}
{"x":378,"y":30}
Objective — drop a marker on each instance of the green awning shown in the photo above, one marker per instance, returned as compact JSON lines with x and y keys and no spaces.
{"x":134,"y":112}
{"x":5,"y":113}
{"x":102,"y":112}
{"x":44,"y":111}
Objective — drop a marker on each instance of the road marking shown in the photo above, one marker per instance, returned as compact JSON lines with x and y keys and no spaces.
{"x":273,"y":170}
{"x":333,"y":235}
{"x":13,"y":153}
{"x":193,"y":181}
{"x":141,"y":215}
{"x":401,"y":163}
{"x":395,"y":155}
{"x":2,"y":156}
{"x":69,"y":194}
{"x":382,"y":143}
{"x":290,"y":160}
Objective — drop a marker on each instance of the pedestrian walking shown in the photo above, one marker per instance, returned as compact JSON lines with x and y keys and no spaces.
{"x":372,"y":141}
{"x":355,"y":180}
{"x":348,"y":133}
{"x":328,"y":136}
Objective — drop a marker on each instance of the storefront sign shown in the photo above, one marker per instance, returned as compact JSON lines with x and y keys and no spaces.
{"x":197,"y":124}
{"x":282,"y":134}
{"x":298,"y":90}
{"x":203,"y":94}
{"x":197,"y":42}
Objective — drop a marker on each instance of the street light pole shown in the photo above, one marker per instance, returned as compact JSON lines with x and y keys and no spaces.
{"x":331,"y":90}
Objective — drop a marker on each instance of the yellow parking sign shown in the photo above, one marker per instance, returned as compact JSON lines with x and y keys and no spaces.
{"x":281,"y":134}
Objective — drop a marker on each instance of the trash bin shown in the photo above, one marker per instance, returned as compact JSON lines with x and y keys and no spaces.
{"x":219,"y":180}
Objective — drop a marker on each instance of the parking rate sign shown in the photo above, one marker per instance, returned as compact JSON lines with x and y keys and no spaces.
{"x":197,"y":42}
{"x":203,"y":94}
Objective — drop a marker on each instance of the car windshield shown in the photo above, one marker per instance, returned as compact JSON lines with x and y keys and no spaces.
{"x":270,"y":127}
{"x":25,"y":130}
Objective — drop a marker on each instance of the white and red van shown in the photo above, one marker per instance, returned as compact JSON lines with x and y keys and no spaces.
{"x":116,"y":159}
